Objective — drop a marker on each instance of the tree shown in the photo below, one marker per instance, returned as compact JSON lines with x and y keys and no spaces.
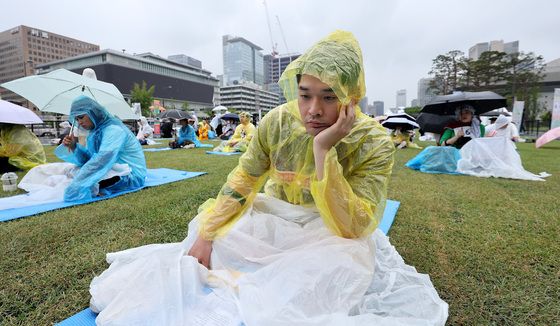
{"x":413,"y":110}
{"x":447,"y":71}
{"x":524,"y":71}
{"x":185,"y":106}
{"x":144,"y":96}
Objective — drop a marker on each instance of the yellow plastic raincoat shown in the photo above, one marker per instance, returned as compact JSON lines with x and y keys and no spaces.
{"x":21,"y":146}
{"x":351,"y":196}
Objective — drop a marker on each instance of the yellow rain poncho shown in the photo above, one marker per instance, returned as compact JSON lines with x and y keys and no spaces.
{"x":21,"y":146}
{"x":351,"y":196}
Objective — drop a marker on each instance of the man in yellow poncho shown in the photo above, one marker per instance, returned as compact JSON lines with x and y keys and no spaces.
{"x":241,"y":137}
{"x":20,"y":149}
{"x":303,"y":252}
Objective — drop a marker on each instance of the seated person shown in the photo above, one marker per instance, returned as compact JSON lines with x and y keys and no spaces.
{"x":403,"y":138}
{"x":444,"y":158}
{"x":145,"y":133}
{"x":167,"y":129}
{"x":467,"y":127}
{"x":186,"y":136}
{"x":20,"y":149}
{"x":227,"y":130}
{"x":241,"y":137}
{"x":109,"y":142}
{"x":203,"y":130}
{"x":300,"y":254}
{"x":503,"y":128}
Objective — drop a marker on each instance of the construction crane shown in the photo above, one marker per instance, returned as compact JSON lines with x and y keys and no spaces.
{"x":274,"y":52}
{"x":282,"y":32}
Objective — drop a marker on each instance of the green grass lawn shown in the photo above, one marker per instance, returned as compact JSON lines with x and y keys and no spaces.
{"x":490,"y":246}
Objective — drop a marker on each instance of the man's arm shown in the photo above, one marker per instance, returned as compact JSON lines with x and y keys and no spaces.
{"x":351,"y":207}
{"x":220,"y":214}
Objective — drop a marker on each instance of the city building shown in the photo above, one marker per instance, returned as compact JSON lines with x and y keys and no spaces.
{"x":274,"y":67}
{"x":243,"y":61}
{"x":175,"y":83}
{"x":185,"y":60}
{"x":22,"y":48}
{"x":378,"y":108}
{"x":476,"y":50}
{"x":401,"y":98}
{"x":425,"y":94}
{"x":548,"y":84}
{"x":247,"y":97}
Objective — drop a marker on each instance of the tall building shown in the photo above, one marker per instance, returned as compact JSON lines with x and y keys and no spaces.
{"x":243,"y":61}
{"x":185,"y":60}
{"x":175,"y":83}
{"x":378,"y":108}
{"x":22,"y":48}
{"x":476,"y":50}
{"x":274,"y":67}
{"x":247,"y":97}
{"x":425,"y":94}
{"x":401,"y":98}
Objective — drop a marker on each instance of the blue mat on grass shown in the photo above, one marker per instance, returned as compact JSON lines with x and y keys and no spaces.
{"x":222,"y":153}
{"x":154,"y":177}
{"x":159,"y":149}
{"x":87,"y":317}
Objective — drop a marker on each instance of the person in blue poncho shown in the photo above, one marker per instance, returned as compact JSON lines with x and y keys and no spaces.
{"x":186,"y":135}
{"x":111,"y":162}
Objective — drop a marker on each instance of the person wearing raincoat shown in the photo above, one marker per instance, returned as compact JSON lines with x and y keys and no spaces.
{"x":303,"y":252}
{"x":110,"y":144}
{"x":241,"y":137}
{"x":145,"y":133}
{"x":20,"y":149}
{"x":203,"y":129}
{"x":186,"y":135}
{"x":402,"y":138}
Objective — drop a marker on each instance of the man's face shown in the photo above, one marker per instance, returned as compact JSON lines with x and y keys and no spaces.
{"x":318,"y":105}
{"x":244,"y":119}
{"x":85,"y":122}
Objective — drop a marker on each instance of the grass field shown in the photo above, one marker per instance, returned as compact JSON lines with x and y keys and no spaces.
{"x":490,"y":246}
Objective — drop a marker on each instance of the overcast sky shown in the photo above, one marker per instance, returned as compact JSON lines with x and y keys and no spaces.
{"x":399,"y":38}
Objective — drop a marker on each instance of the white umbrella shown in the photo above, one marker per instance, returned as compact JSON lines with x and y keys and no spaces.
{"x":219,"y":108}
{"x":13,"y":113}
{"x":404,"y":123}
{"x":55,"y":91}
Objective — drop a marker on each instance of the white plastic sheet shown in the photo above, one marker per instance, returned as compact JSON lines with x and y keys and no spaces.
{"x":494,"y":157}
{"x":46,"y":183}
{"x":279,"y":265}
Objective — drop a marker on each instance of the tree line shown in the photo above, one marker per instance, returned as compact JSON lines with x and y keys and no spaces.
{"x":514,"y":76}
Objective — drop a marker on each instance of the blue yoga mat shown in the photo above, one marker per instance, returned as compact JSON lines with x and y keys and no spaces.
{"x":87,"y":317}
{"x":154,"y":177}
{"x":222,"y":153}
{"x":157,"y":149}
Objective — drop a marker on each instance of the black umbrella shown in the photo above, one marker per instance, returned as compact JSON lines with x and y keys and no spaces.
{"x":433,"y":122}
{"x":175,"y":114}
{"x":230,"y":116}
{"x":481,"y":101}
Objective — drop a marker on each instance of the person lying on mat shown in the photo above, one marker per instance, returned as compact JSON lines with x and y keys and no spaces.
{"x":467,"y":127}
{"x":20,"y":149}
{"x":317,"y":149}
{"x":108,"y":143}
{"x":241,"y":137}
{"x":186,"y":136}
